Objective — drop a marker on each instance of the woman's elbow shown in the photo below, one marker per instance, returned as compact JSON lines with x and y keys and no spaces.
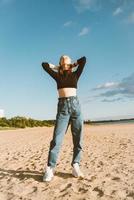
{"x":84,"y":59}
{"x":45,"y":65}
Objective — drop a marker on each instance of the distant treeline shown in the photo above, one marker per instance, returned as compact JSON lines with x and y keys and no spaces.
{"x":23,"y":122}
{"x":105,"y":121}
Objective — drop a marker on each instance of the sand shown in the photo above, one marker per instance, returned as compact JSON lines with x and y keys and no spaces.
{"x":107,"y":162}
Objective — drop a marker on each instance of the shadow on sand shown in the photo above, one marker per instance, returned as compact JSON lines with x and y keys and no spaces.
{"x":27,"y":174}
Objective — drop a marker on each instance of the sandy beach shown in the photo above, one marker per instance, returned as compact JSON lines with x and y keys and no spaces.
{"x":107,"y":162}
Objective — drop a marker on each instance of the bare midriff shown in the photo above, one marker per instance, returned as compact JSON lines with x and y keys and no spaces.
{"x":66,"y":92}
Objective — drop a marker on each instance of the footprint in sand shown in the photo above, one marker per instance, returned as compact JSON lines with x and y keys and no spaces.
{"x":100,"y":192}
{"x":116,"y":178}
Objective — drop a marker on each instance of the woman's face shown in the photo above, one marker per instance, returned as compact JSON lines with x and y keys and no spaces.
{"x":65,"y":63}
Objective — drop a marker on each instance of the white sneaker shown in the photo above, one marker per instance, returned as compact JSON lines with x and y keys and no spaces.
{"x":76,"y":171}
{"x":48,"y":175}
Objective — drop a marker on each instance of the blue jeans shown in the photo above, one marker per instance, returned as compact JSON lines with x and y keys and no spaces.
{"x":68,"y":112}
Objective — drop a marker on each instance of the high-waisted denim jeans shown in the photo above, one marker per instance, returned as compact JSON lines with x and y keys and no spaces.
{"x":68,"y":112}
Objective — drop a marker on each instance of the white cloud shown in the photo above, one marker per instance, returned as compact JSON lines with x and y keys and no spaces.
{"x":117,"y":11}
{"x":1,"y":113}
{"x":112,"y":100}
{"x":83,"y":5}
{"x":107,"y":85}
{"x":95,"y":5}
{"x":68,"y":23}
{"x":124,"y":88}
{"x":84,"y":31}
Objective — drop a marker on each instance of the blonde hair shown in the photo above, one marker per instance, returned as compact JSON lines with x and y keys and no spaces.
{"x":59,"y":67}
{"x":65,"y":56}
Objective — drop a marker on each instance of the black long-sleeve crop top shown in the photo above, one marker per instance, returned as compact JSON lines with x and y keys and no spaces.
{"x":66,"y":80}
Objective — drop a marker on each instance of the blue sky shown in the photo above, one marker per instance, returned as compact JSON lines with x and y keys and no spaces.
{"x":33,"y":31}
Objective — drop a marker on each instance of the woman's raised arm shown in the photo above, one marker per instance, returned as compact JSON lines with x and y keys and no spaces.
{"x":48,"y":69}
{"x":81,"y":63}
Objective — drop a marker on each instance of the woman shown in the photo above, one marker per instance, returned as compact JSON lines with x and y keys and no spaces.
{"x":68,"y":112}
